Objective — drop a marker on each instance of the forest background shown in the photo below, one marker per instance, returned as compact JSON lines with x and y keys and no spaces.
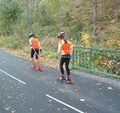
{"x":94,"y":23}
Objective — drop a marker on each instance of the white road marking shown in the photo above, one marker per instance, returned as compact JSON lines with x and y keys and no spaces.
{"x":12,"y":77}
{"x":79,"y":111}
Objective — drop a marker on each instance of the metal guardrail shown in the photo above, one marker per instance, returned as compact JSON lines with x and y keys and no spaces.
{"x":105,"y":61}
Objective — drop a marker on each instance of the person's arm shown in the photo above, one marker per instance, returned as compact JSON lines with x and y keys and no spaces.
{"x":40,"y":48}
{"x":30,"y":42}
{"x":71,"y":52}
{"x":71,"y":47}
{"x":39,"y":45}
{"x":59,"y":48}
{"x":61,"y":42}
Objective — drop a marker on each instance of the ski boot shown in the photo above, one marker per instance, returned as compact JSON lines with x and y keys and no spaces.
{"x":69,"y":80}
{"x":37,"y":67}
{"x":62,"y":79}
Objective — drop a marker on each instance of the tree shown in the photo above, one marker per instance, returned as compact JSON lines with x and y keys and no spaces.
{"x":95,"y":2}
{"x":9,"y":15}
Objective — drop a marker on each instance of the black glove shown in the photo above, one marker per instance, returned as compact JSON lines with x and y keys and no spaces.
{"x":40,"y":50}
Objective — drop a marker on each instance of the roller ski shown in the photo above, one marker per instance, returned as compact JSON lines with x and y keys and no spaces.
{"x":36,"y":67}
{"x":69,"y":80}
{"x":61,"y":79}
{"x":65,"y":80}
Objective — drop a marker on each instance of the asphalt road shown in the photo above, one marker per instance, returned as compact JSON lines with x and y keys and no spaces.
{"x":23,"y":90}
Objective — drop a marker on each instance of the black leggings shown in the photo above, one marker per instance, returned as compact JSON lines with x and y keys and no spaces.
{"x":66,"y":62}
{"x":34,"y":52}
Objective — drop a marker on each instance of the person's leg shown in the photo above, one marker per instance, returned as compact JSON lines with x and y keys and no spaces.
{"x":37,"y":54}
{"x":32,"y":58}
{"x":67,"y":61}
{"x":62,"y":61}
{"x":37,"y":60}
{"x":61,"y":66}
{"x":69,"y":78}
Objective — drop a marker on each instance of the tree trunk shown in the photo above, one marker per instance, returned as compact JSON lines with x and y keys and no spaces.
{"x":94,"y":17}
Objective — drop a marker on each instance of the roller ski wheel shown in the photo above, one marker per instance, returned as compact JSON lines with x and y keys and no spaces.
{"x":61,"y":79}
{"x":69,"y":82}
{"x":37,"y":68}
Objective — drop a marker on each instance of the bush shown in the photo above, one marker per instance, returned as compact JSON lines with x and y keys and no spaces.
{"x":46,"y":16}
{"x":11,"y":42}
{"x":76,"y":30}
{"x":9,"y":15}
{"x":67,"y":18}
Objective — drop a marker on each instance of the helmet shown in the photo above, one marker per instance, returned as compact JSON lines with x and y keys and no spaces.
{"x":31,"y":35}
{"x":61,"y":35}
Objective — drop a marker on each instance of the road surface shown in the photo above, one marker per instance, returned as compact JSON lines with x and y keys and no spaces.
{"x":23,"y":90}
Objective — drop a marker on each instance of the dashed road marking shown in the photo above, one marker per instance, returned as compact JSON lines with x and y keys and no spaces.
{"x":12,"y":77}
{"x":79,"y":111}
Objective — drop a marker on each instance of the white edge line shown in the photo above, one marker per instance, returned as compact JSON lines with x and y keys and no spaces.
{"x":13,"y":77}
{"x":65,"y":104}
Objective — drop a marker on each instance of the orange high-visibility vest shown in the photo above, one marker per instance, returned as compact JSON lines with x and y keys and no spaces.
{"x":34,"y":42}
{"x":66,"y":48}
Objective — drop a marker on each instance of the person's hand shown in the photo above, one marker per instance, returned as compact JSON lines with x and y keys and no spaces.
{"x":40,"y":50}
{"x":71,"y":55}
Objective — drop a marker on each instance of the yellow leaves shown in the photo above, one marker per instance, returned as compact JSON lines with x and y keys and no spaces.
{"x":85,"y":36}
{"x":85,"y":39}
